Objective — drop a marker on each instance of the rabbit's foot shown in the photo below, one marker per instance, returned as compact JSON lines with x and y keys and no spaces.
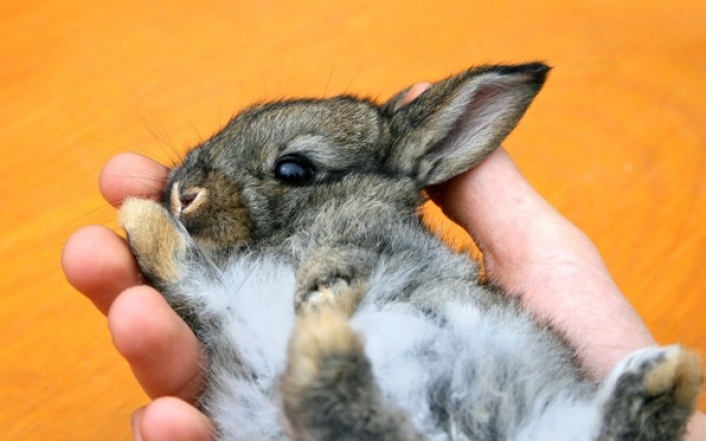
{"x":154,"y":239}
{"x":328,"y":388}
{"x":334,"y":277}
{"x":680,"y":371}
{"x":321,"y":345}
{"x":338,"y":294}
{"x":650,"y":395}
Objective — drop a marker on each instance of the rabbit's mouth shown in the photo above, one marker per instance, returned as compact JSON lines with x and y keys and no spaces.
{"x":215,"y":217}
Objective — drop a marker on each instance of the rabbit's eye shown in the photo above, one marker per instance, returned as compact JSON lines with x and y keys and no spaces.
{"x":294,"y":170}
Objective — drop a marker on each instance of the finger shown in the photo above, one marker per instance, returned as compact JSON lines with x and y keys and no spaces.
{"x":510,"y":221}
{"x":98,"y":263}
{"x":171,"y":419}
{"x":130,"y":174}
{"x":162,"y":351}
{"x":414,"y":92}
{"x":697,"y":428}
{"x":524,"y":244}
{"x":529,"y":248}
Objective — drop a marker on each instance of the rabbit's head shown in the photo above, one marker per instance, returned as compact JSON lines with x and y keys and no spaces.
{"x":275,"y":161}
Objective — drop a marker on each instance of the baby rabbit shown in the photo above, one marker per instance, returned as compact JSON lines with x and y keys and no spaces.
{"x":291,"y":242}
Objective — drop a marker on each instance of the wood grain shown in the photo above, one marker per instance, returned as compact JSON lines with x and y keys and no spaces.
{"x":617,"y":142}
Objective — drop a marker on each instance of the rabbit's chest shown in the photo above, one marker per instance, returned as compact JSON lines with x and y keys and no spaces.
{"x":254,"y":303}
{"x":430,"y":365}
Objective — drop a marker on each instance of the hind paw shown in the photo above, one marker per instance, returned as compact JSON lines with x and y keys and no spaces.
{"x":328,"y":389}
{"x":672,"y":369}
{"x":650,"y":395}
{"x":664,"y":370}
{"x":321,"y":338}
{"x":326,"y":364}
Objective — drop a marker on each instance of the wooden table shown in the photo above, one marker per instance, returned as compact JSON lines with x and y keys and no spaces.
{"x":616,"y":141}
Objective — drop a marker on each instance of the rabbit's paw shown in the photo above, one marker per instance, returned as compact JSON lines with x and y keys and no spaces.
{"x":322,"y":346}
{"x":651,"y":394}
{"x":680,"y":370}
{"x":665,"y":370}
{"x":154,"y":239}
{"x":332,"y":277}
{"x":337,"y":294}
{"x":328,"y":388}
{"x":326,"y":365}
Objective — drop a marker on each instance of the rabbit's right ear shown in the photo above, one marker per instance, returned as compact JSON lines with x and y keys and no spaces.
{"x":457,"y":122}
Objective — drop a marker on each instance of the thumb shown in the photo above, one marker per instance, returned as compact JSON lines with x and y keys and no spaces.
{"x":511,"y":223}
{"x":530,"y":249}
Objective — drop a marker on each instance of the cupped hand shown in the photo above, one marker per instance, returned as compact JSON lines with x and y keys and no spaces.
{"x":529,"y":249}
{"x":163,"y":353}
{"x":533,"y":252}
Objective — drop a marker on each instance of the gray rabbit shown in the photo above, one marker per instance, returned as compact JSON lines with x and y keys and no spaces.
{"x":291,"y":242}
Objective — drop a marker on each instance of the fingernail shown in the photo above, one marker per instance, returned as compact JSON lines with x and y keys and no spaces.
{"x":135,"y":424}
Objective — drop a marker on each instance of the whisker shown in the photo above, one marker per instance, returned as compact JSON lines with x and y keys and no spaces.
{"x":330,"y":75}
{"x":148,"y":178}
{"x":111,"y":225}
{"x":166,"y":145}
{"x":141,"y":177}
{"x":154,"y":186}
{"x":158,"y":132}
{"x":357,"y":74}
{"x":103,"y":207}
{"x":122,"y":148}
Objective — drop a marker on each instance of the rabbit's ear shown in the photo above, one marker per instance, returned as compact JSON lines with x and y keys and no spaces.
{"x":457,"y":122}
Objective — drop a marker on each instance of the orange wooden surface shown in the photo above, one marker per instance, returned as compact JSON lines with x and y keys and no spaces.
{"x":616,"y":141}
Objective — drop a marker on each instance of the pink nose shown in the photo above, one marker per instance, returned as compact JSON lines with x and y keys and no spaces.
{"x":186,"y":199}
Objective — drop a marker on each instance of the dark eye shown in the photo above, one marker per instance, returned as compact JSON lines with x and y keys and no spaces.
{"x":294,"y":170}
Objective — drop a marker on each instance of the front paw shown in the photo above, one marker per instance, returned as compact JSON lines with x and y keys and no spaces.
{"x":154,"y":239}
{"x":337,"y":294}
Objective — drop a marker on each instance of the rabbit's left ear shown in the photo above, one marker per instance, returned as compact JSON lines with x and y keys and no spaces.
{"x":457,"y":122}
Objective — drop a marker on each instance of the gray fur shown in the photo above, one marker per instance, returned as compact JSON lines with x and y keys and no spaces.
{"x":329,"y":312}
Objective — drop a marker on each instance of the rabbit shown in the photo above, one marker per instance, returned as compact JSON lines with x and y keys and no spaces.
{"x":292,"y":244}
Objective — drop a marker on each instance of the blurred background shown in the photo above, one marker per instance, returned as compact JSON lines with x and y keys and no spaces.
{"x":616,"y":141}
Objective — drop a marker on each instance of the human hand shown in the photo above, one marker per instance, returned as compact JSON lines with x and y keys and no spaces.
{"x":163,"y":353}
{"x":529,"y":249}
{"x":533,"y":252}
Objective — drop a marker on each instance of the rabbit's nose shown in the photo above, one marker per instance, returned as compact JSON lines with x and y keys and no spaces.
{"x":187,"y":200}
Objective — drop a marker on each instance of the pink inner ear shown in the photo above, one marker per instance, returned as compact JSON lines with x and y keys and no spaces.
{"x":490,"y":114}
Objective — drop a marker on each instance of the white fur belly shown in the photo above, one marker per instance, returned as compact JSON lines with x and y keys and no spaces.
{"x":478,"y":363}
{"x":254,"y":301}
{"x":466,"y":355}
